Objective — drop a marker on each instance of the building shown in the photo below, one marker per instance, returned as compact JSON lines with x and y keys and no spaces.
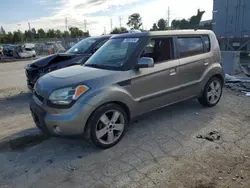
{"x":231,"y":24}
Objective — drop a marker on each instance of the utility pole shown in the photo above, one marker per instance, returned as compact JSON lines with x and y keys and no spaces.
{"x":104,"y":32}
{"x":111,"y":24}
{"x":66,"y":23}
{"x":85,"y":25}
{"x":120,"y":20}
{"x":29,"y":25}
{"x":169,"y":17}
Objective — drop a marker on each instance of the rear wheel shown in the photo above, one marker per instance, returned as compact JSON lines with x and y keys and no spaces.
{"x":212,"y":92}
{"x":107,"y":125}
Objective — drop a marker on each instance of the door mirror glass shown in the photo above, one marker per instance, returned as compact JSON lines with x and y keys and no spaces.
{"x":145,"y":62}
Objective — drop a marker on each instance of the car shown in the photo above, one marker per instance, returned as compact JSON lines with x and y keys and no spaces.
{"x":130,"y":75}
{"x":78,"y":54}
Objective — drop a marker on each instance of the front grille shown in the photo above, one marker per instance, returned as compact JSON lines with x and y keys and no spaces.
{"x":40,"y":98}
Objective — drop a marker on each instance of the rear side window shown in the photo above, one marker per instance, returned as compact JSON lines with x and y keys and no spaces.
{"x":189,"y":46}
{"x":207,"y":43}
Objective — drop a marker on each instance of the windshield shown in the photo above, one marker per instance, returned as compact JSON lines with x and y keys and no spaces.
{"x":114,"y":53}
{"x":82,"y":46}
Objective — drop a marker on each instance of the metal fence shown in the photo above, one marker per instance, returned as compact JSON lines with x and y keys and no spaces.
{"x":53,"y":45}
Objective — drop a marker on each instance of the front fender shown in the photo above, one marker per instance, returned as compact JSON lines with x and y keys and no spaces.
{"x":109,"y":94}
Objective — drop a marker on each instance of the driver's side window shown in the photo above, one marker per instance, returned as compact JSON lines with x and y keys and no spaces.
{"x":160,"y":49}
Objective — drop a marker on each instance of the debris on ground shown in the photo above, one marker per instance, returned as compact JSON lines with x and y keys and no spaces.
{"x":234,"y":79}
{"x":241,"y":84}
{"x":70,"y":167}
{"x":211,"y":136}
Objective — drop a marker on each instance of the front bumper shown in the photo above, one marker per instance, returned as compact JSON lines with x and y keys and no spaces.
{"x":59,"y":121}
{"x":32,"y":76}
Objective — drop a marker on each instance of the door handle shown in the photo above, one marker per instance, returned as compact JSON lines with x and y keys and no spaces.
{"x":172,"y":72}
{"x":206,"y":63}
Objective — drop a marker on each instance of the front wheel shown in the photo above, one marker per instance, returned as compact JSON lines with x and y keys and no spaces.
{"x":107,"y":125}
{"x":212,"y":92}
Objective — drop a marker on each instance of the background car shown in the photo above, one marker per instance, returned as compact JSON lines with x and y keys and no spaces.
{"x":78,"y":54}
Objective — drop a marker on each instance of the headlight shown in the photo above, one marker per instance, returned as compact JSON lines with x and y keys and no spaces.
{"x":67,"y":95}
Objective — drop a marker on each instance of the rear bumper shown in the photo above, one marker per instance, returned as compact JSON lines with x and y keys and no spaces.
{"x":68,"y":123}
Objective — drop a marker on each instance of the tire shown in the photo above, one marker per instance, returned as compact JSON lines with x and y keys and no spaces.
{"x":209,"y":93}
{"x":110,"y":133}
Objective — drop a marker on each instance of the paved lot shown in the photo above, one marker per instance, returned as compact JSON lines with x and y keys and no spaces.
{"x":160,"y":150}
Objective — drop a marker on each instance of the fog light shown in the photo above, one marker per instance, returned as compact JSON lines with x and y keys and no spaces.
{"x":57,"y":129}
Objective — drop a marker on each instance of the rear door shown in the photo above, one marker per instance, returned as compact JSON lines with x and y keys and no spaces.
{"x":195,"y":58}
{"x":156,"y":86}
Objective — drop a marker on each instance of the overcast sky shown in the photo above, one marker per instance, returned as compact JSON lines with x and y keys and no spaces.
{"x":15,"y":14}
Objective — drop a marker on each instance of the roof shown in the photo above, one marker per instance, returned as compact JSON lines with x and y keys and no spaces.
{"x":162,"y":33}
{"x":102,"y":36}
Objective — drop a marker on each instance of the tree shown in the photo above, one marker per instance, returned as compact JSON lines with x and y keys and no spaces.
{"x":154,"y":28}
{"x":58,"y":33}
{"x":134,"y":21}
{"x":51,"y":33}
{"x":33,"y":31}
{"x":195,"y":20}
{"x":76,"y":32}
{"x":191,"y":23}
{"x":162,"y":25}
{"x":8,"y":38}
{"x":28,"y":35}
{"x":118,"y":30}
{"x":2,"y":31}
{"x":41,"y":33}
{"x":180,"y":24}
{"x":17,"y":36}
{"x":66,"y":34}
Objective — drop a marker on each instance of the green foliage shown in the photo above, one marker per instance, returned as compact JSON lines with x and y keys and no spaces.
{"x":41,"y":33}
{"x":2,"y":31}
{"x":191,"y":23}
{"x":134,"y":21}
{"x":66,"y":34}
{"x":162,"y":25}
{"x":118,"y":30}
{"x":76,"y":32}
{"x":17,"y":36}
{"x":29,"y":35}
{"x":58,"y":33}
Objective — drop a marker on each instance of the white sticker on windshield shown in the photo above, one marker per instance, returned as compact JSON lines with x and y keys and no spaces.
{"x":131,"y":40}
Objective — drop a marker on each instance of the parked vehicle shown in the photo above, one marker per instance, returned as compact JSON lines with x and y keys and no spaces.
{"x":78,"y":54}
{"x":130,"y":75}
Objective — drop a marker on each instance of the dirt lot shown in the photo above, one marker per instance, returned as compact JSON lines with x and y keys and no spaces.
{"x":159,"y":150}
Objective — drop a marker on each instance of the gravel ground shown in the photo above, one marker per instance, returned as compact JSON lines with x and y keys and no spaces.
{"x":159,"y":150}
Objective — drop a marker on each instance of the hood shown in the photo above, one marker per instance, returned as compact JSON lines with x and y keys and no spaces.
{"x":56,"y":58}
{"x":76,"y":75}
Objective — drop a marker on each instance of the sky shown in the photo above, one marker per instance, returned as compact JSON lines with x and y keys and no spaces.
{"x":51,"y":14}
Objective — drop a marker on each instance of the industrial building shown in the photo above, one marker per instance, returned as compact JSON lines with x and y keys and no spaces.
{"x":231,"y":24}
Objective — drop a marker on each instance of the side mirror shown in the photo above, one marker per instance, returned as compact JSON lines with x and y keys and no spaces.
{"x":145,"y":62}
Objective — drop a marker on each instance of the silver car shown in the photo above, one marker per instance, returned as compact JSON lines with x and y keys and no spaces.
{"x":130,"y":75}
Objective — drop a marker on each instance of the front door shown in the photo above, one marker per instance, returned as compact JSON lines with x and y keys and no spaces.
{"x":156,"y":86}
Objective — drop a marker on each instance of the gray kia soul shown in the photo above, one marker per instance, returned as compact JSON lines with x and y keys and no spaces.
{"x":130,"y":75}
